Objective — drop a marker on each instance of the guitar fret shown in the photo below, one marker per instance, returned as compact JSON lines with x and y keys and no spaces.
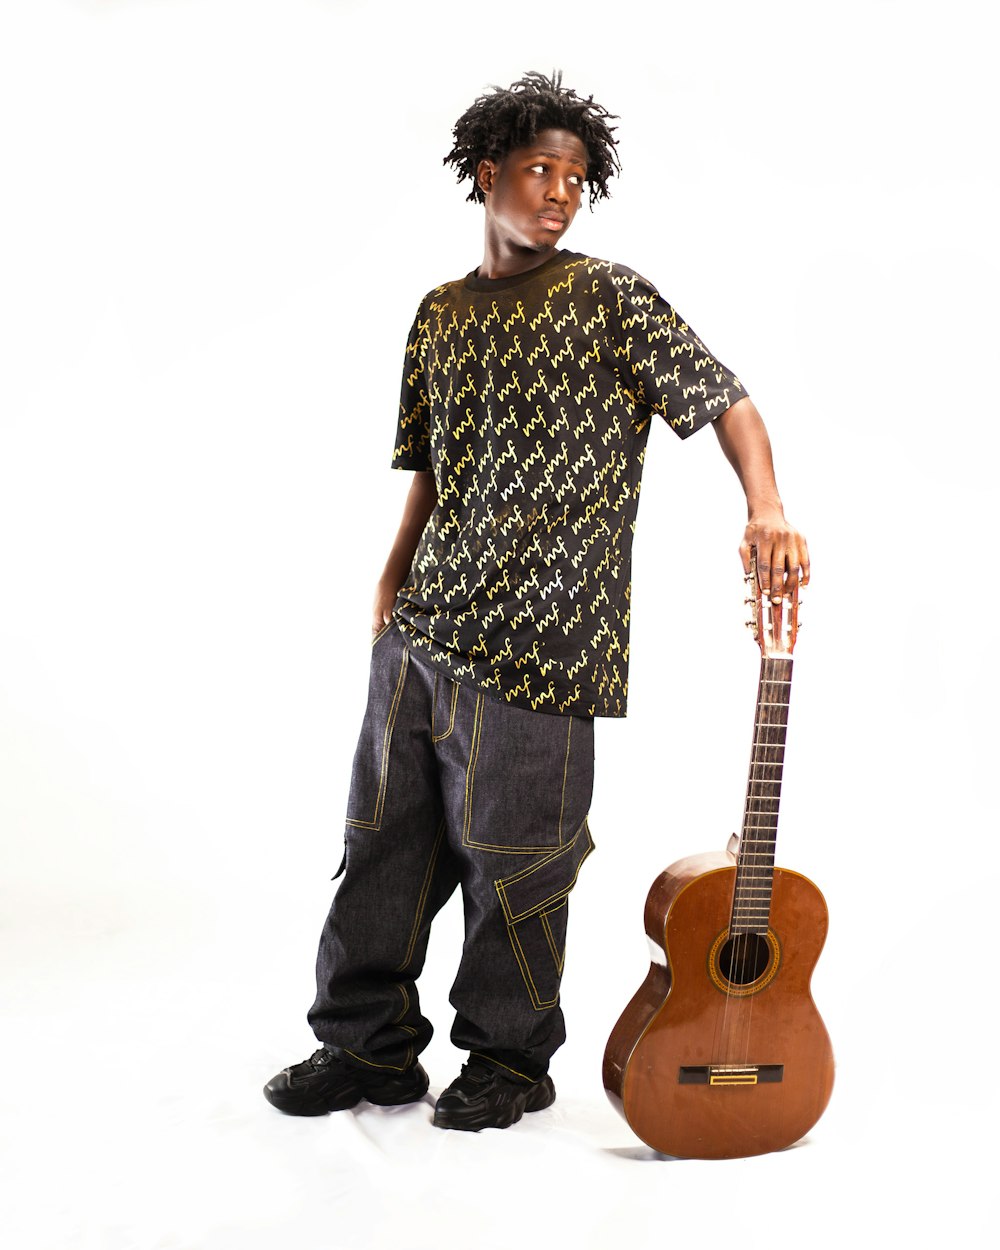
{"x":755,"y":865}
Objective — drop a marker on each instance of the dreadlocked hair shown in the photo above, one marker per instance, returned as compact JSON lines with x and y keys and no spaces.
{"x":511,"y":117}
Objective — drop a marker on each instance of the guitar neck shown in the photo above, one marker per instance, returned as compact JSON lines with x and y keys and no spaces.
{"x":755,"y":862}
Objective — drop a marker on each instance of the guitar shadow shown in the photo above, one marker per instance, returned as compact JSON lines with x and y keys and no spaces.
{"x":646,"y":1154}
{"x":641,"y":1154}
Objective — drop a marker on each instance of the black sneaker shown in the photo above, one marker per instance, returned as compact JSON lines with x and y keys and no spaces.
{"x":324,"y":1082}
{"x":483,"y":1098}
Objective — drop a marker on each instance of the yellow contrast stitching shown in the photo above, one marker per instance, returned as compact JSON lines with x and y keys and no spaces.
{"x":451,"y":718}
{"x":467,"y":840}
{"x":376,"y":820}
{"x":562,"y":798}
{"x":533,"y":1079}
{"x":544,"y":918}
{"x":410,"y":1052}
{"x":507,"y":850}
{"x":501,"y":885}
{"x":470,"y":772}
{"x":425,"y":890}
{"x":383,"y":630}
{"x":395,"y":1067}
{"x":522,"y":959}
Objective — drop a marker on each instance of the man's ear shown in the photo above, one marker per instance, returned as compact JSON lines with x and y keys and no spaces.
{"x":485,"y":173}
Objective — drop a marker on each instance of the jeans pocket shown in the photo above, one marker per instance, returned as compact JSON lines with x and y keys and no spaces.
{"x":535,"y":905}
{"x":529,"y":779}
{"x":370,"y":769}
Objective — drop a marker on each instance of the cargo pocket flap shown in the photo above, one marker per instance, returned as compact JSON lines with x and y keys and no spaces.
{"x":538,"y":888}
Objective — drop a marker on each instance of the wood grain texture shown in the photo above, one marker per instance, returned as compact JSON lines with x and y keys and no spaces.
{"x":681,"y":1016}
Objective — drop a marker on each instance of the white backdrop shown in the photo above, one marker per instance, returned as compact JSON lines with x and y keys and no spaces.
{"x":217,"y":220}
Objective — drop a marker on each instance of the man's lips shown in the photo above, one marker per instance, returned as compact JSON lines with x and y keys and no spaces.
{"x":552,"y":221}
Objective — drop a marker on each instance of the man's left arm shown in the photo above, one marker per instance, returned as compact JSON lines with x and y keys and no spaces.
{"x":782,"y":555}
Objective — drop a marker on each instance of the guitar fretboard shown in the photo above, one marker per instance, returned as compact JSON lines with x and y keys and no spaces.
{"x":755,"y":863}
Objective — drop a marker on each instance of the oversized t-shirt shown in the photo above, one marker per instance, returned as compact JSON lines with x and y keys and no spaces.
{"x":530,"y":398}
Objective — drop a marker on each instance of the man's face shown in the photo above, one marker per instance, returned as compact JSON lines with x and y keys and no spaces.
{"x":532,"y":194}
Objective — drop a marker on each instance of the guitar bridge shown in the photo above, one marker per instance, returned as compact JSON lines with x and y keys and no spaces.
{"x":732,"y":1074}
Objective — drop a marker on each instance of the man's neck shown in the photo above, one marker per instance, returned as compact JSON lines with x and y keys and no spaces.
{"x":501,"y":261}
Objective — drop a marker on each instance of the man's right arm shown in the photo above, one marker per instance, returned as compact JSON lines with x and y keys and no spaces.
{"x":420,"y":503}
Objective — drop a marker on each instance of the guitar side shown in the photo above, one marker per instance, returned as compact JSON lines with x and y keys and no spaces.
{"x":704,"y":1067}
{"x":652,"y":994}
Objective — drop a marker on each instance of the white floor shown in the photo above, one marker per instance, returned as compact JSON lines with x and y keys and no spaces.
{"x":133,"y":1119}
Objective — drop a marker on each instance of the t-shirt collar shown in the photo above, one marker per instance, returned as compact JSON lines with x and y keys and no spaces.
{"x":559,"y":257}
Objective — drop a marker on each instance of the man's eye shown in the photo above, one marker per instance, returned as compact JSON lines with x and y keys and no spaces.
{"x":539,"y":168}
{"x":576,"y":180}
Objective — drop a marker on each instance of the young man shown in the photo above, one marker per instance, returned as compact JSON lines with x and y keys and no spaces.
{"x":501,"y":621}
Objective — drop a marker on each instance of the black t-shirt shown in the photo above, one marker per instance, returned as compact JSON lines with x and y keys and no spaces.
{"x":530,"y":398}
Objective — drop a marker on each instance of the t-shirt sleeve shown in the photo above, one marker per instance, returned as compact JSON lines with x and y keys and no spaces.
{"x":662,"y":362}
{"x":413,"y":433}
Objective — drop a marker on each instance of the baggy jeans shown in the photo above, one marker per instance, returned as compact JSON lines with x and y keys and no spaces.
{"x":451,"y":786}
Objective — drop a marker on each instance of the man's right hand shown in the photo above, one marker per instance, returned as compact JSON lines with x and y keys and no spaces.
{"x":420,"y":503}
{"x":385,"y":597}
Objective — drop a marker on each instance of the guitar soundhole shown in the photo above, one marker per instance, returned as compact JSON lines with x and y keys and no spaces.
{"x":744,"y":958}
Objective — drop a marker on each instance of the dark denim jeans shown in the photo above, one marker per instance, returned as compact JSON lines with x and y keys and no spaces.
{"x":452,"y":786}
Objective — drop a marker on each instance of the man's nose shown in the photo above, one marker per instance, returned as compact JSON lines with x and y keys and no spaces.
{"x":559,"y":191}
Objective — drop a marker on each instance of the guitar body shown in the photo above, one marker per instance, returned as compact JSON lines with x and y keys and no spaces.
{"x":722,"y":1053}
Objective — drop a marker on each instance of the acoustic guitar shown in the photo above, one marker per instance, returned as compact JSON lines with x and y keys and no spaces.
{"x":722,"y":1053}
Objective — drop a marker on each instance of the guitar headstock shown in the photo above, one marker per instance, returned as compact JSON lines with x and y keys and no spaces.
{"x":774,"y":624}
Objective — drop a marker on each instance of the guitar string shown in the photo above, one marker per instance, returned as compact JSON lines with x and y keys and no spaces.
{"x":774,"y":735}
{"x":740,"y":1053}
{"x":737,"y":1012}
{"x":746,"y":872}
{"x":722,"y":1047}
{"x":744,"y":946}
{"x":719,"y":1049}
{"x":760,"y":780}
